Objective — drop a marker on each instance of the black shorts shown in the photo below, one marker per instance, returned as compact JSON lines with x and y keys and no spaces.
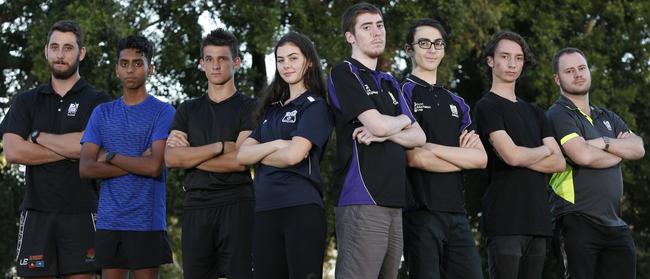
{"x":217,"y":242}
{"x":55,"y":244}
{"x":132,"y":249}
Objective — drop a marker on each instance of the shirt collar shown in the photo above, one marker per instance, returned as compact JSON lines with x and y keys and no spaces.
{"x":566,"y":102}
{"x":300,"y":100}
{"x":415,"y":79}
{"x":76,"y":88}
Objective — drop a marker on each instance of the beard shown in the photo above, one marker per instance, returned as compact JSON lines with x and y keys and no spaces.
{"x":576,"y":92}
{"x":65,"y":73}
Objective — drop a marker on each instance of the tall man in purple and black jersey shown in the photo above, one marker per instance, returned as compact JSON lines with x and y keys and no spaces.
{"x":124,"y":145}
{"x":373,"y":127}
{"x":42,"y":131}
{"x":219,"y":200}
{"x":437,"y":235}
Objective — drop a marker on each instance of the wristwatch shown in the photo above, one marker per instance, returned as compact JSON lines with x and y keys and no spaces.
{"x":34,"y":135}
{"x":110,"y":156}
{"x":606,"y":140}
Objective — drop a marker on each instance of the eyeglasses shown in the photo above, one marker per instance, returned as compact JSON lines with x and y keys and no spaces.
{"x":426,"y":44}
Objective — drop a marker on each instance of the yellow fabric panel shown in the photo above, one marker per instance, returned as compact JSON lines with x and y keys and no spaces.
{"x":588,"y":117}
{"x":562,"y":184}
{"x":568,"y":138}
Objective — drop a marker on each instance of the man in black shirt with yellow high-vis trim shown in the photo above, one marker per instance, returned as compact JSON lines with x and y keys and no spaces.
{"x":590,"y":235}
{"x":42,"y":131}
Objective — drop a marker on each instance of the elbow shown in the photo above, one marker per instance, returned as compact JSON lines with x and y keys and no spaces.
{"x":512,"y":159}
{"x":243,"y":160}
{"x":171,"y":162}
{"x":639,"y":154}
{"x":294,"y":159}
{"x":481,"y":163}
{"x":84,"y":171}
{"x":560,"y":165}
{"x":155,"y":172}
{"x":12,"y":157}
{"x":378,"y":130}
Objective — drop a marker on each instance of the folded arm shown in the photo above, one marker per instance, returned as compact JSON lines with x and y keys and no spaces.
{"x":296,"y":151}
{"x":552,"y":163}
{"x":228,"y":161}
{"x":514,"y":155}
{"x":67,"y":145}
{"x":92,"y":163}
{"x":20,"y":151}
{"x":150,"y":165}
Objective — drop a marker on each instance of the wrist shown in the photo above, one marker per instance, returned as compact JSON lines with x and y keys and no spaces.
{"x":109,"y":157}
{"x":606,"y":142}
{"x":34,"y":136}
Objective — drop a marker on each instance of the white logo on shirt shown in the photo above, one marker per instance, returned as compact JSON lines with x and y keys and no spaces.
{"x":609,"y":126}
{"x":72,"y":109}
{"x":419,"y":107}
{"x":290,"y":117}
{"x":368,"y":91}
{"x":454,"y":110}
{"x":393,"y":97}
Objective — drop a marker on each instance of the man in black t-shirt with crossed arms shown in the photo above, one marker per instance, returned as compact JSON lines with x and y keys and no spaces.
{"x":219,"y":200}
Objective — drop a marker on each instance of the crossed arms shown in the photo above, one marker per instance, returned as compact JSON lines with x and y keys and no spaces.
{"x":591,"y":153}
{"x":214,"y":157}
{"x":50,"y":148}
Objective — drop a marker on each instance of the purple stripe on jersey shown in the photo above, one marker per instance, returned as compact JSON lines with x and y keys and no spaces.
{"x":332,"y":93}
{"x":354,"y":190}
{"x":464,"y":108}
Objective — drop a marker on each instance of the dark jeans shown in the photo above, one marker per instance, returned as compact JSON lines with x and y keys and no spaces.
{"x":516,"y":256}
{"x":589,"y":250}
{"x":439,"y":244}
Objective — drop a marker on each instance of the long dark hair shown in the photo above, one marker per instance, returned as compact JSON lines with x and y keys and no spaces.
{"x":278,"y":90}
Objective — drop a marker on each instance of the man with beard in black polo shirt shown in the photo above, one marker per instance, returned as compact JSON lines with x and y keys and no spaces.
{"x":219,"y":200}
{"x":42,"y":131}
{"x":591,"y":237}
{"x":521,"y":150}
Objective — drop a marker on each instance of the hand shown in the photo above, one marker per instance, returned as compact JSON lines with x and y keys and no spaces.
{"x":363,"y":135}
{"x":177,"y":139}
{"x":468,"y":139}
{"x":622,"y":135}
{"x":101,"y":156}
{"x":147,"y":152}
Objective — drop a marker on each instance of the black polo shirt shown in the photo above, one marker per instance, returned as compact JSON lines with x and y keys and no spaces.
{"x":516,"y":200}
{"x":443,"y":116}
{"x":594,"y":193}
{"x":306,"y":116}
{"x":56,"y":186}
{"x":366,"y":174}
{"x":205,"y":122}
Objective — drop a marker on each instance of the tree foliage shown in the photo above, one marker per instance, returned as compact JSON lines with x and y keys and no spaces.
{"x":615,"y":35}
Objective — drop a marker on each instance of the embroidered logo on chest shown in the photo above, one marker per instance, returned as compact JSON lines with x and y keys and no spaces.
{"x":395,"y":102}
{"x":369,"y":91}
{"x":609,"y":126}
{"x":417,"y":107}
{"x":290,"y":117}
{"x":454,"y":110}
{"x":72,"y":109}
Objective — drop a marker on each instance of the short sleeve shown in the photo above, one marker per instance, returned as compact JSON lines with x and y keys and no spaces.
{"x":163,"y":123}
{"x":247,"y":120}
{"x":563,"y":125}
{"x":487,"y":119}
{"x":404,"y":106}
{"x":256,"y":134}
{"x":92,"y":132}
{"x":315,"y":124}
{"x":100,"y":99}
{"x":544,"y":125}
{"x":181,"y":118}
{"x":346,"y":94}
{"x":18,"y":119}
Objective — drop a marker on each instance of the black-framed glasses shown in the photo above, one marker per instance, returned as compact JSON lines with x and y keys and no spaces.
{"x":426,"y":44}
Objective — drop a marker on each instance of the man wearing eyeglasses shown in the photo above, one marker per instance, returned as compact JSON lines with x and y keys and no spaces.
{"x":437,"y":236}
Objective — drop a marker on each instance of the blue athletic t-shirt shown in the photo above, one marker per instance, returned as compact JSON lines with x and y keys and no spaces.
{"x":131,"y":202}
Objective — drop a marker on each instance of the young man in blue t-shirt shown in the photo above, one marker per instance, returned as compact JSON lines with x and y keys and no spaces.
{"x":124,"y":145}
